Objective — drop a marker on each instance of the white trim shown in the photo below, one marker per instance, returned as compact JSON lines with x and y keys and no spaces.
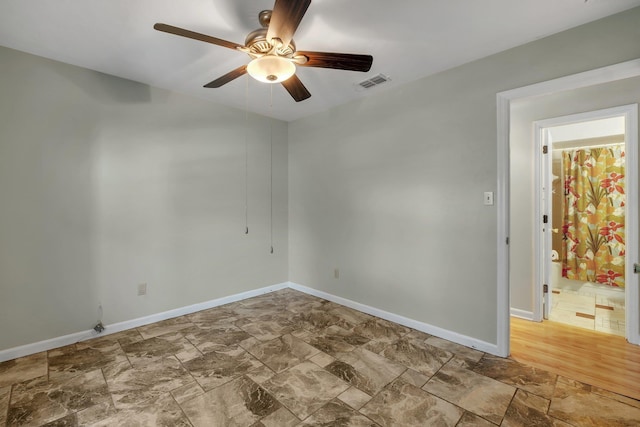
{"x":415,"y":324}
{"x":632,"y":227}
{"x":539,"y":276}
{"x":503,"y":200}
{"x":611,"y":73}
{"x":37,"y":347}
{"x":141,"y":321}
{"x":522,"y":314}
{"x":40,"y":346}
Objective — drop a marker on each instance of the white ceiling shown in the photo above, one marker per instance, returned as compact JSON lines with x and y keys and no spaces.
{"x":409,"y":39}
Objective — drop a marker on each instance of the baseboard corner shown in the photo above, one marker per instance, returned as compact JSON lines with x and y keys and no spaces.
{"x":405,"y":321}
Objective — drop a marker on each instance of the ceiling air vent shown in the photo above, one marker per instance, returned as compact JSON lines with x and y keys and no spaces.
{"x":373,"y":81}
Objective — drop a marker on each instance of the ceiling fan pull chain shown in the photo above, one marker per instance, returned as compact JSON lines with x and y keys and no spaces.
{"x":271,"y":166}
{"x":246,"y":158}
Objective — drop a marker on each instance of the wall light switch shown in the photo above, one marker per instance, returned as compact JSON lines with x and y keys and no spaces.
{"x":488,"y":198}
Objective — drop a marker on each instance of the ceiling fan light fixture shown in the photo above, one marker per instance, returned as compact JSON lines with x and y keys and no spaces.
{"x":271,"y":69}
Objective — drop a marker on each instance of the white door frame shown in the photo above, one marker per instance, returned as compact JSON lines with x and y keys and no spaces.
{"x":542,"y":241}
{"x":608,"y":74}
{"x":542,"y":238}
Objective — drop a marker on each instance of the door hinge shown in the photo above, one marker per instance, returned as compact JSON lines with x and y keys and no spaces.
{"x":545,"y":289}
{"x":545,"y":219}
{"x":545,"y":149}
{"x":507,"y":240}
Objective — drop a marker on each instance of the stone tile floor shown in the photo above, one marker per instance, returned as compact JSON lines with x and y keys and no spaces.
{"x":287,"y":359}
{"x":589,"y":305}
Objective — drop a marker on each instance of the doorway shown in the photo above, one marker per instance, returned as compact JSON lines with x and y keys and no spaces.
{"x":583,"y":255}
{"x":604,"y":85}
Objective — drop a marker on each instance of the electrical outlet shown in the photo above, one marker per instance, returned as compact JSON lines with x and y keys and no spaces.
{"x":142,"y":289}
{"x":336,"y":273}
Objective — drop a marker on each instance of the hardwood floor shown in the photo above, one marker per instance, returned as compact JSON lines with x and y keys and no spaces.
{"x":595,"y":358}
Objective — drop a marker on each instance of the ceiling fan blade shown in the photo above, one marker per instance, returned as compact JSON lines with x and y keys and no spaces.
{"x":285,"y":18}
{"x":230,"y":76}
{"x":196,"y":36}
{"x":296,"y":89}
{"x":339,"y":61}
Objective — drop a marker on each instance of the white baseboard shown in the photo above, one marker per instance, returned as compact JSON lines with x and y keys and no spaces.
{"x":522,"y":314}
{"x":141,"y":321}
{"x":25,"y":350}
{"x":37,"y":347}
{"x":415,"y":324}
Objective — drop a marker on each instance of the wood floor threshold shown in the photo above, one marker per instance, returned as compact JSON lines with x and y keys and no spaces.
{"x":602,"y":360}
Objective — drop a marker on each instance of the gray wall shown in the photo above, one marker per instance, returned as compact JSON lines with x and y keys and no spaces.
{"x":389,"y":189}
{"x":106,"y":183}
{"x":524,"y":113}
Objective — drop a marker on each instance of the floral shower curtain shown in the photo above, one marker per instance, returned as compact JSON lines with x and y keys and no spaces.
{"x":593,"y":217}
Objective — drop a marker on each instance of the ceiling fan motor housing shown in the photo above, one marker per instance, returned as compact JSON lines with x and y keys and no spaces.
{"x":258,"y":44}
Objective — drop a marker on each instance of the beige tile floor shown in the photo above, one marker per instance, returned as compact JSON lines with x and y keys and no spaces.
{"x":588,"y":305}
{"x":290,"y":359}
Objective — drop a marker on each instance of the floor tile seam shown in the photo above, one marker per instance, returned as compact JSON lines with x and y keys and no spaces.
{"x":611,"y":398}
{"x":113,"y":402}
{"x":291,"y":367}
{"x":514,"y":385}
{"x":180,"y":406}
{"x":452,"y":403}
{"x":195,"y":380}
{"x":314,"y":412}
{"x":247,"y":350}
{"x":126,"y":357}
{"x":282,"y":403}
{"x":59,"y":382}
{"x":376,"y":395}
{"x":511,"y":385}
{"x":142,"y":402}
{"x":565,"y":375}
{"x":483,"y":418}
{"x":357,"y":411}
{"x":439,"y":369}
{"x":511,"y":402}
{"x":48,"y":365}
{"x":381,"y":388}
{"x":245,"y":376}
{"x":571,"y":423}
{"x":6,"y":412}
{"x":194,"y":346}
{"x":76,"y":411}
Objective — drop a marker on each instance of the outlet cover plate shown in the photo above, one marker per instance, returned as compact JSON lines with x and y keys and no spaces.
{"x":142,"y":289}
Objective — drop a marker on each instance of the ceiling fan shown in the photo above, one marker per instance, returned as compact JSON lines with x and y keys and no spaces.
{"x":273,"y":51}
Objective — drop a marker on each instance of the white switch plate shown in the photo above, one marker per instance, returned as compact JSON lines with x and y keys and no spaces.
{"x":142,"y":289}
{"x":488,"y":198}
